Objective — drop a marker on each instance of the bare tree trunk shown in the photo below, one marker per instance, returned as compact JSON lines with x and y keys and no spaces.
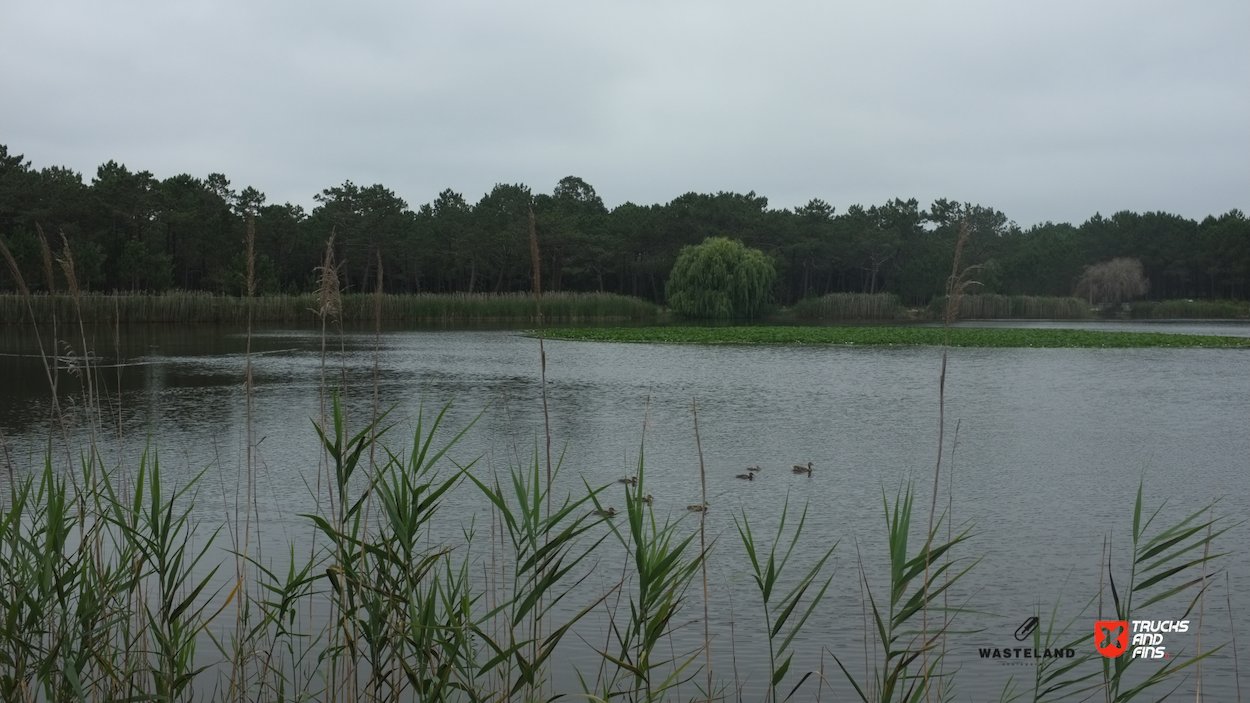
{"x":499,"y":282}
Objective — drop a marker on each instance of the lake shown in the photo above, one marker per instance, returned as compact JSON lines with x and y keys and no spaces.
{"x":1052,"y":444}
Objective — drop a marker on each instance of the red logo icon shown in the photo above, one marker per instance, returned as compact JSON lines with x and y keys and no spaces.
{"x":1111,"y":637}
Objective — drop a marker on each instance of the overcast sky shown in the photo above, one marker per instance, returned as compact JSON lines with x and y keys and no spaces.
{"x":1045,"y":110}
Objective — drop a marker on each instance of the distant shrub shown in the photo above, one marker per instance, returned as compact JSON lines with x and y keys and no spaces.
{"x":720,"y":279}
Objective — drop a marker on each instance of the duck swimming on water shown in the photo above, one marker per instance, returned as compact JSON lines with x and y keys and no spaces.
{"x":802,"y":469}
{"x":747,"y":476}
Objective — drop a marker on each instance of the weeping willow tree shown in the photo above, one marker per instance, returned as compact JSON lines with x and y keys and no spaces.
{"x":1114,"y":281}
{"x":719,"y":278}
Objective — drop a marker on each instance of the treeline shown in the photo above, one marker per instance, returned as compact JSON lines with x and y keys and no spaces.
{"x":131,"y":231}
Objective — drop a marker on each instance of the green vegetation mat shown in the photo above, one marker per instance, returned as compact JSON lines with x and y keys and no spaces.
{"x":884,"y":336}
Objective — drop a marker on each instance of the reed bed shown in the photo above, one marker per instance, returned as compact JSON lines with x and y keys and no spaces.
{"x":1190,"y":310}
{"x":198,"y":307}
{"x":105,"y":586}
{"x":850,"y":306}
{"x":898,"y":336}
{"x":1017,"y":307}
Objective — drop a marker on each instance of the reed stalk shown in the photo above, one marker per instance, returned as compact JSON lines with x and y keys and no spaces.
{"x":536,"y":263}
{"x":240,"y":654}
{"x":956,"y":284}
{"x":20,"y":308}
{"x":707,"y":637}
{"x":1228,"y":601}
{"x":49,"y":278}
{"x":1202,"y":596}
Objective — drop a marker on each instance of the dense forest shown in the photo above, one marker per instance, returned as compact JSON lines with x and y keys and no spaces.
{"x":130,"y":231}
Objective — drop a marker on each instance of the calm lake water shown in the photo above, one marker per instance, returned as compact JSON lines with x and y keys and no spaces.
{"x":1051,"y":447}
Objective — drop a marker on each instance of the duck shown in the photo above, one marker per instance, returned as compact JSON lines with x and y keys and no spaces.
{"x":746,"y":476}
{"x":631,"y":481}
{"x":697,"y":508}
{"x":753,"y":468}
{"x":647,"y":499}
{"x":798,"y":469}
{"x":607,"y":512}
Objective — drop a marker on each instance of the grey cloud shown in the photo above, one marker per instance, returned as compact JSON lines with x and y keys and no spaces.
{"x":1044,"y":110}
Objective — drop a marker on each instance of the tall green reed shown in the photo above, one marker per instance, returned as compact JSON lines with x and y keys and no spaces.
{"x":163,"y":539}
{"x":914,"y":587}
{"x":1163,"y":563}
{"x":274,"y":645}
{"x":103,"y":596}
{"x":768,"y":574}
{"x":542,"y":554}
{"x":662,"y":571}
{"x":359,"y":632}
{"x":36,"y":595}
